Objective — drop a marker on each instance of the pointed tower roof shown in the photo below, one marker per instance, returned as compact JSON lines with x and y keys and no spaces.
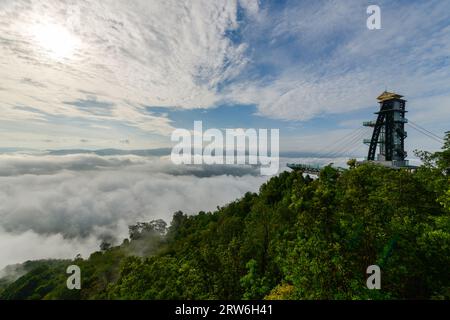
{"x":388,"y":96}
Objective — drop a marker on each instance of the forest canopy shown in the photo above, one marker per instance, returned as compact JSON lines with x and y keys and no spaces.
{"x":298,"y":238}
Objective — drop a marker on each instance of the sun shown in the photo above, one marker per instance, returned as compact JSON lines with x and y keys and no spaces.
{"x":56,"y":41}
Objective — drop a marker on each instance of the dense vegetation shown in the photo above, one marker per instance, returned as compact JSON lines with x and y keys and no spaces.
{"x":299,"y":238}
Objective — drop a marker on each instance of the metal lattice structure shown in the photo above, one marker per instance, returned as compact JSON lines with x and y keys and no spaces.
{"x":389,"y":133}
{"x":388,"y":138}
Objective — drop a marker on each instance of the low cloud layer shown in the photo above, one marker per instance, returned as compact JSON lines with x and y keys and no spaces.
{"x":58,"y":206}
{"x":29,"y":245}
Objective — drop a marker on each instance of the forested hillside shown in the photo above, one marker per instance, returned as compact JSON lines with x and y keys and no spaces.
{"x":298,"y":238}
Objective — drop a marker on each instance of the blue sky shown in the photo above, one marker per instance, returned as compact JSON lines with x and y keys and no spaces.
{"x":126,"y":74}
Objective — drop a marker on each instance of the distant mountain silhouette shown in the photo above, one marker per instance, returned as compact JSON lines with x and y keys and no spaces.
{"x":163,"y":152}
{"x":113,"y":152}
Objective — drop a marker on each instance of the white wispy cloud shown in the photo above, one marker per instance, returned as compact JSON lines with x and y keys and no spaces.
{"x":125,"y":54}
{"x":327,"y":61}
{"x":294,"y":61}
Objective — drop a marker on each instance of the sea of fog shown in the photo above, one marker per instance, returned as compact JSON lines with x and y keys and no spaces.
{"x":64,"y":204}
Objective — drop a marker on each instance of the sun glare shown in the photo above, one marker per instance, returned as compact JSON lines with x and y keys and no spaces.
{"x":55,"y":40}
